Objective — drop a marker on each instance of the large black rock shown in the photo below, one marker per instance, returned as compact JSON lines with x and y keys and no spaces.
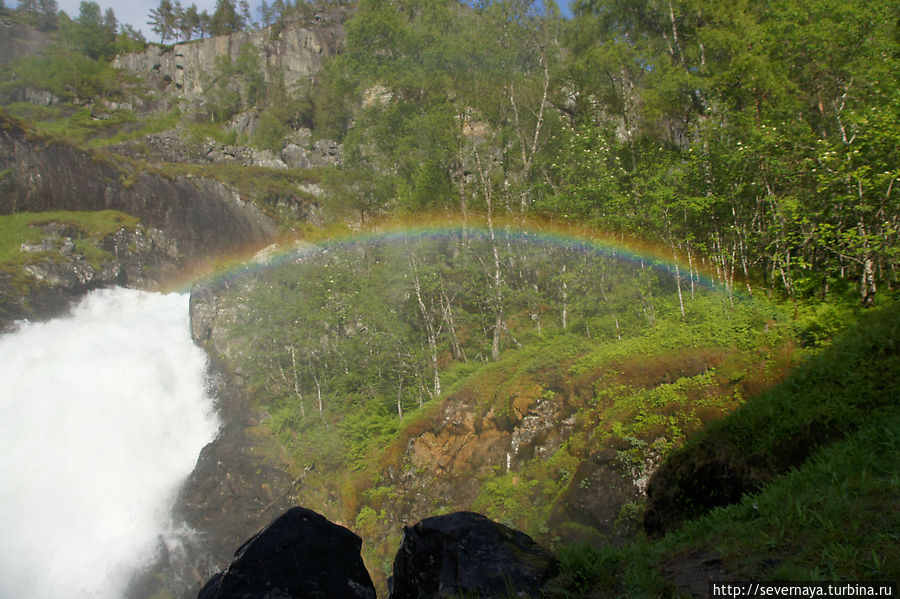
{"x":299,"y":555}
{"x":468,"y":554}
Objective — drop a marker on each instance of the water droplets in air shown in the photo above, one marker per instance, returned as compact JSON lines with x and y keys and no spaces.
{"x":102,"y":416}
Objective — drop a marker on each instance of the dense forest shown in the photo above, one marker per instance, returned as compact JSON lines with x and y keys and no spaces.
{"x":652,"y":222}
{"x":758,"y":138}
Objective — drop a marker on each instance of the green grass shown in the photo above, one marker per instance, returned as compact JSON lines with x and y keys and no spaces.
{"x":198,"y":132}
{"x":160,"y":122}
{"x":77,"y":126}
{"x":828,"y":397}
{"x":834,"y":516}
{"x":22,"y":227}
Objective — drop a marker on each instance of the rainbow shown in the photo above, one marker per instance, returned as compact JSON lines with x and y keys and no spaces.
{"x":583,"y":239}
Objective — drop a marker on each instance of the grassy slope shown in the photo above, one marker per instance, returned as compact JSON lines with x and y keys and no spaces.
{"x":638,"y":397}
{"x":833,"y":516}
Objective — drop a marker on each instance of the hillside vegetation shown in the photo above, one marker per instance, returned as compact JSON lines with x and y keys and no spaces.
{"x":697,"y":376}
{"x":757,"y":140}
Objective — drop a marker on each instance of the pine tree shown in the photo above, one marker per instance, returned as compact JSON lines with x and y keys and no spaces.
{"x":245,"y":13}
{"x":205,"y":24}
{"x":162,"y":20}
{"x":266,"y":15}
{"x":226,"y":18}
{"x":190,"y":22}
{"x":47,"y":14}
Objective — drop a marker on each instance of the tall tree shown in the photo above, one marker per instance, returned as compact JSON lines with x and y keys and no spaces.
{"x":190,"y":22}
{"x":162,"y":20}
{"x":225,"y":19}
{"x":93,"y":33}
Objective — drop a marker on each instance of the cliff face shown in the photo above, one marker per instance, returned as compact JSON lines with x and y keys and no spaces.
{"x":203,"y":217}
{"x":295,"y":50}
{"x":181,"y":220}
{"x":17,"y":41}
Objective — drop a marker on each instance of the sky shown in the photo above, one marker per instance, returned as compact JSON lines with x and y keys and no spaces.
{"x":136,"y":12}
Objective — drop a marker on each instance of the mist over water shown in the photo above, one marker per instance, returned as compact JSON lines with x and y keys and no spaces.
{"x":102,"y":417}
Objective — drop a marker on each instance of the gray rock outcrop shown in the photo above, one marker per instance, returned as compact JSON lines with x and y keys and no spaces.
{"x":18,"y":40}
{"x":170,"y":146}
{"x":203,"y":217}
{"x":295,"y":50}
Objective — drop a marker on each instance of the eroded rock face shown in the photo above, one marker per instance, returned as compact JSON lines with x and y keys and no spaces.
{"x":60,"y":273}
{"x":300,"y":554}
{"x":18,"y":40}
{"x":466,"y":554}
{"x":183,"y":219}
{"x":202,"y":216}
{"x":169,"y":146}
{"x":296,"y":50}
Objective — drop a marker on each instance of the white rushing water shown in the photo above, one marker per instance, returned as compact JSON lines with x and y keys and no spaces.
{"x":102,"y":417}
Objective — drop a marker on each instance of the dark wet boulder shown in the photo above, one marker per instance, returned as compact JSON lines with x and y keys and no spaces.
{"x":468,"y":554}
{"x":299,"y":555}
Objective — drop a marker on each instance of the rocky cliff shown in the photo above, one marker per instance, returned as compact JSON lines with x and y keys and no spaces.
{"x":295,"y":50}
{"x":182,"y":220}
{"x":204,"y":217}
{"x":17,"y":41}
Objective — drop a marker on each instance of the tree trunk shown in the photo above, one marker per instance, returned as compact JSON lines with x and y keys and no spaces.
{"x":498,"y":292}
{"x":429,"y":330}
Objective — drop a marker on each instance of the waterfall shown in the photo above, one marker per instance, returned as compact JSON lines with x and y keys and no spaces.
{"x":102,"y":416}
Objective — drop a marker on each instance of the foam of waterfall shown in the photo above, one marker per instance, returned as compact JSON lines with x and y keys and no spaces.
{"x":102,"y":417}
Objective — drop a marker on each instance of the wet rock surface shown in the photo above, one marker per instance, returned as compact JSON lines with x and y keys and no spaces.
{"x":60,"y":273}
{"x":300,"y":554}
{"x":240,"y":483}
{"x":466,"y":554}
{"x":598,"y":499}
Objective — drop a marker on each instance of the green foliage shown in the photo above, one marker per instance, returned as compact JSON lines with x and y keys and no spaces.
{"x":830,"y":517}
{"x":584,"y":567}
{"x":345,"y":344}
{"x":757,"y":138}
{"x":93,"y":34}
{"x":79,"y":126}
{"x":197,"y":132}
{"x":234,"y":85}
{"x":42,"y":14}
{"x":25,"y":228}
{"x":64,"y":73}
{"x":226,"y":19}
{"x":328,"y":295}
